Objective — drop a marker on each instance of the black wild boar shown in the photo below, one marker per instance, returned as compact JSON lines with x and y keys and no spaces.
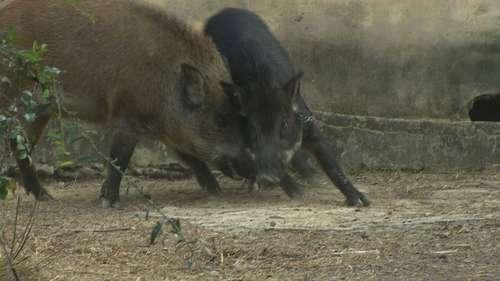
{"x":138,"y":71}
{"x":277,"y":122}
{"x":485,"y":107}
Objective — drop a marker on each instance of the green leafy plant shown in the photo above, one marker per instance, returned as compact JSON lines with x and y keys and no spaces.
{"x":7,"y":184}
{"x":18,"y":106}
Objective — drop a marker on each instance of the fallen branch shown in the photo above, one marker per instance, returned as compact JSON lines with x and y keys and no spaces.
{"x":445,"y":252}
{"x":9,"y":261}
{"x":102,"y":230}
{"x":10,"y":252}
{"x":173,"y":222}
{"x":360,"y":252}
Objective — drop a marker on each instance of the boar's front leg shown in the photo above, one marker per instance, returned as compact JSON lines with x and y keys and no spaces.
{"x":314,"y":142}
{"x":203,"y":175}
{"x":26,"y":167}
{"x":122,"y":148}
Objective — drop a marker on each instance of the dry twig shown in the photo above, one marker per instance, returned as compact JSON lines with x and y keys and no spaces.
{"x":174,"y":222}
{"x":11,"y":251}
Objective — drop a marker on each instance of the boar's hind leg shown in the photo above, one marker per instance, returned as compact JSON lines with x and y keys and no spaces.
{"x":315,"y":143}
{"x":290,"y":187}
{"x":122,"y":148}
{"x":27,"y":169}
{"x":202,"y":173}
{"x":301,"y":164}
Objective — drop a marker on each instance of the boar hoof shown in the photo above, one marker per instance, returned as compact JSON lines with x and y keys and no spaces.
{"x":106,"y":204}
{"x":358,"y":200}
{"x":254,"y":187}
{"x":295,"y":194}
{"x":44,"y":196}
{"x":213,"y":191}
{"x":251,"y":186}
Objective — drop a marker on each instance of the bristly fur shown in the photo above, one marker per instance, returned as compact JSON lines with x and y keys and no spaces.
{"x":132,"y":67}
{"x":199,"y":44}
{"x":4,"y":3}
{"x":129,"y":38}
{"x":123,"y":59}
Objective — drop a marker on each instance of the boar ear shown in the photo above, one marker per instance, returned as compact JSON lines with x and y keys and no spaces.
{"x":292,"y":88}
{"x":235,"y":96}
{"x":193,"y":86}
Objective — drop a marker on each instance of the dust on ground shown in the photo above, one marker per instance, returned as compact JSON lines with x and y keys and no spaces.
{"x":421,"y":226}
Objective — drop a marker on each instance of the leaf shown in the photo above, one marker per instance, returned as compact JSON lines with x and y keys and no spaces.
{"x":176,"y":226}
{"x":7,"y":184}
{"x":27,"y":99}
{"x":66,"y":164}
{"x":11,"y":36}
{"x":156,"y":232}
{"x":4,"y":123}
{"x":46,"y":94}
{"x":77,"y":139}
{"x":19,"y":139}
{"x":12,"y":186}
{"x":13,"y":108}
{"x":27,"y":93}
{"x":189,"y":263}
{"x":29,"y":117}
{"x":22,"y":154}
{"x":3,"y":192}
{"x":54,"y":71}
{"x":176,"y":230}
{"x":20,"y":146}
{"x":43,"y":48}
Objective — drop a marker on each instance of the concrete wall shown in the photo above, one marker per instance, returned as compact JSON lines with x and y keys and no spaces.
{"x":388,"y":143}
{"x":391,"y":58}
{"x":388,"y":58}
{"x":403,"y":59}
{"x":363,"y":142}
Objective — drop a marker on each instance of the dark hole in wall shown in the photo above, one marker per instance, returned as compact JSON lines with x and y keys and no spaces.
{"x":485,"y":108}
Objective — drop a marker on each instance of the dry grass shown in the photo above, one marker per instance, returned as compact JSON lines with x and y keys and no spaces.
{"x":265,"y":236}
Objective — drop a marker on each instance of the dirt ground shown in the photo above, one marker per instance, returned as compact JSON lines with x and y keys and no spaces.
{"x":421,"y":226}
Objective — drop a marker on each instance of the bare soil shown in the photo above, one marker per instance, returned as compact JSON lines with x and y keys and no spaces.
{"x":421,"y":226}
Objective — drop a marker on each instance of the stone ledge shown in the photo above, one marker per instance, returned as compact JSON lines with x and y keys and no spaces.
{"x":386,"y":143}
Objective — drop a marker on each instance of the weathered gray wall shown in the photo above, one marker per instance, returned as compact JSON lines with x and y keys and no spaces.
{"x":388,"y":143}
{"x":388,"y":58}
{"x":392,"y":58}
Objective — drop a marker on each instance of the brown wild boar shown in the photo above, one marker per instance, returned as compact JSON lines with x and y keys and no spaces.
{"x":138,"y":71}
